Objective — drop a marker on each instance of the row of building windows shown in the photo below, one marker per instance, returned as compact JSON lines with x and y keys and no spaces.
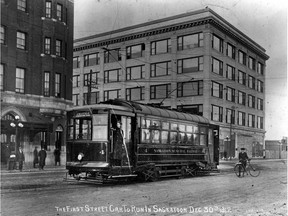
{"x":138,"y":72}
{"x":218,"y":44}
{"x":164,"y":68}
{"x":185,"y":89}
{"x":19,"y":79}
{"x":217,"y":67}
{"x":217,"y":115}
{"x":191,"y":88}
{"x":164,"y":46}
{"x":47,"y":82}
{"x":217,"y":90}
{"x":137,"y":51}
{"x":22,"y":41}
{"x":50,"y":11}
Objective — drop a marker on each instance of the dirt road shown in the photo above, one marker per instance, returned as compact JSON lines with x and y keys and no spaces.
{"x":220,"y":194}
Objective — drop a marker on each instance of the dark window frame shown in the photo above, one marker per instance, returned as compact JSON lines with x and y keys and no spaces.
{"x":88,"y":59}
{"x":57,"y":85}
{"x":22,"y":5}
{"x":48,"y":9}
{"x":181,"y":86}
{"x":220,"y":66}
{"x":107,"y":76}
{"x":109,"y":56}
{"x":181,"y":69}
{"x":155,"y":66}
{"x":130,"y":73}
{"x":47,"y":88}
{"x":231,"y":51}
{"x":155,"y":44}
{"x":21,"y":42}
{"x":47,"y":45}
{"x":220,"y":116}
{"x":153,"y":91}
{"x":219,"y":47}
{"x":130,"y":54}
{"x":106,"y":94}
{"x":181,"y":39}
{"x":129,"y":92}
{"x":20,"y":88}
{"x":220,"y":89}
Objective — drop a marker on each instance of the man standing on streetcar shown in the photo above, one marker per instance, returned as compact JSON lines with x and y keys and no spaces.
{"x":118,"y":141}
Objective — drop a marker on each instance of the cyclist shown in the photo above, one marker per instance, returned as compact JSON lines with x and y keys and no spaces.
{"x":243,"y":157}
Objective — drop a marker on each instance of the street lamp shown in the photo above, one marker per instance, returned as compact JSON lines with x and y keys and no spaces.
{"x":227,"y":148}
{"x":16,"y":124}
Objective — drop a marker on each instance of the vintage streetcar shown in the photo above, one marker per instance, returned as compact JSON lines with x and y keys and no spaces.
{"x":152,"y":143}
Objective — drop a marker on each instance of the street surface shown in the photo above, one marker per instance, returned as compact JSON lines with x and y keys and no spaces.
{"x":45,"y":193}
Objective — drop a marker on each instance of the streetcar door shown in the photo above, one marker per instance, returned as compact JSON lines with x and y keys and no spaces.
{"x":121,"y":141}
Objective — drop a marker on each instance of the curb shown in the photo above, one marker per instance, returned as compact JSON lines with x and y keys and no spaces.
{"x":33,"y":170}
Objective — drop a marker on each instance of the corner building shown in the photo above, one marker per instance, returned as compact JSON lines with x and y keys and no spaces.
{"x":36,"y":75}
{"x":195,"y":62}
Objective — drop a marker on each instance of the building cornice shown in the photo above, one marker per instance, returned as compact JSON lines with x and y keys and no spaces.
{"x":213,"y":19}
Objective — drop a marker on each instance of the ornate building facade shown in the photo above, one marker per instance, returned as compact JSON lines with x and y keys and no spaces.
{"x":36,"y":73}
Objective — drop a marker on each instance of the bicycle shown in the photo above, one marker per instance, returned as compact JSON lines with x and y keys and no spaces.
{"x":239,"y":169}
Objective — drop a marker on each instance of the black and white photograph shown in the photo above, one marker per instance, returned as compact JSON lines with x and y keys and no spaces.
{"x":143,"y":107}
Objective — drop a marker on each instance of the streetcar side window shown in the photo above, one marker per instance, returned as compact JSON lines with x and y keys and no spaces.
{"x":70,"y":128}
{"x":165,"y":137}
{"x":173,"y":137}
{"x":155,"y":131}
{"x":182,"y":134}
{"x":203,"y":136}
{"x":165,"y":132}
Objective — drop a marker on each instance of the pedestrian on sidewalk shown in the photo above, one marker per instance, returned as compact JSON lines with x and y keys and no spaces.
{"x":57,"y":154}
{"x":20,"y":158}
{"x":42,"y":157}
{"x":35,"y":157}
{"x":12,"y":161}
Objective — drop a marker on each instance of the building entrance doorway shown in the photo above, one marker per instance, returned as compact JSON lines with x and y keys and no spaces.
{"x":58,"y":137}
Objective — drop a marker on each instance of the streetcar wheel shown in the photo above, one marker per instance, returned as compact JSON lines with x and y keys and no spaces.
{"x":155,"y":176}
{"x":254,"y":171}
{"x":239,"y":170}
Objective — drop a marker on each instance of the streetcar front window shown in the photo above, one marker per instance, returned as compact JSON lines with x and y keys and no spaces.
{"x":83,"y":129}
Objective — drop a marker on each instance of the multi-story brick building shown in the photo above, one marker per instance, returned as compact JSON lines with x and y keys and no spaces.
{"x":36,"y":73}
{"x":196,"y":62}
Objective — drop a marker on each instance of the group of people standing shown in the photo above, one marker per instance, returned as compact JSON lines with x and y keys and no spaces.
{"x":14,"y":157}
{"x":40,"y":157}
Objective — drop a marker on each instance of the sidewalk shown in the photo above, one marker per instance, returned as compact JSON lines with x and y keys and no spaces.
{"x":48,"y":168}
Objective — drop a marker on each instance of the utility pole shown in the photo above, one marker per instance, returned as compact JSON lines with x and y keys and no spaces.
{"x":89,"y":88}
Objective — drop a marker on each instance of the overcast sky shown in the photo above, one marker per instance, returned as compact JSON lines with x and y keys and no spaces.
{"x":264,"y":21}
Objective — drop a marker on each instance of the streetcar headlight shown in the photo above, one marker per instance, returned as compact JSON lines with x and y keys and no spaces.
{"x":80,"y":156}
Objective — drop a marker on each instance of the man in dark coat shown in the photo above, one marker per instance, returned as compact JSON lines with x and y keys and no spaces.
{"x":118,"y":143}
{"x":243,"y":157}
{"x":57,"y":154}
{"x":42,"y":157}
{"x":20,"y":158}
{"x":35,"y":157}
